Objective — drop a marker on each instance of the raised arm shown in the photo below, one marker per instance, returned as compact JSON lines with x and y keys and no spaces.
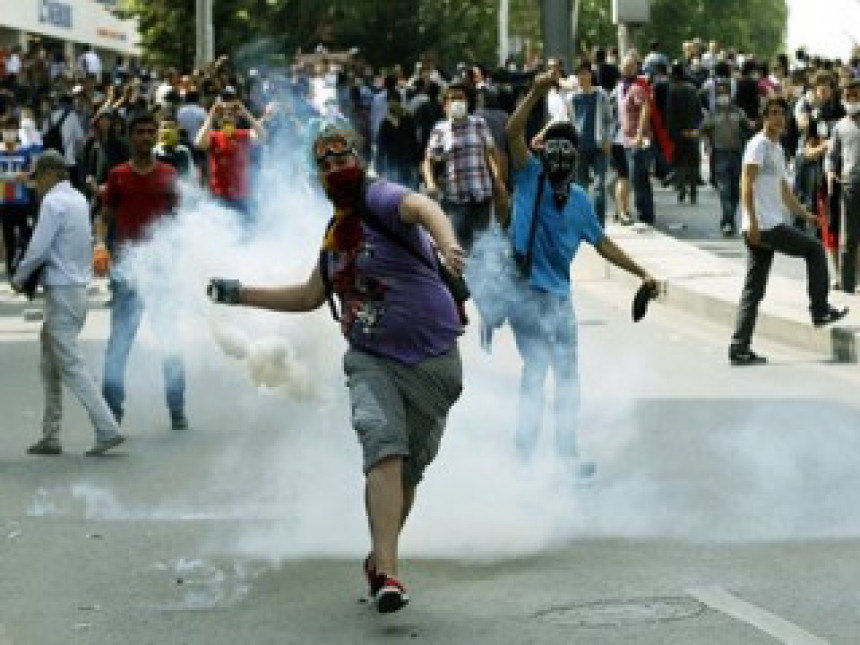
{"x":516,"y":127}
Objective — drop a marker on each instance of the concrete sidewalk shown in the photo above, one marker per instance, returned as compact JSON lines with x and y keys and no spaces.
{"x":704,"y":284}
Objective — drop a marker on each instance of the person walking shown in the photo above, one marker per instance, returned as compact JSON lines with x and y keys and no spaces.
{"x":61,"y":248}
{"x":766,"y":198}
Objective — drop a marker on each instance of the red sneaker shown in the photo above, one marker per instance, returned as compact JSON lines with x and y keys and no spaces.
{"x":390,"y":595}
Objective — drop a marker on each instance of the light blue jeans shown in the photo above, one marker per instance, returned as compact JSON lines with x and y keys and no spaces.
{"x":63,"y":362}
{"x":126,"y":312}
{"x":544,"y":327}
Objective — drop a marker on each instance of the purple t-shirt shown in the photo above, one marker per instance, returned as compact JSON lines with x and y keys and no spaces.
{"x":393,"y":304}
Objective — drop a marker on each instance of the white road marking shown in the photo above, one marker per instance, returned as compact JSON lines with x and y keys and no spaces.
{"x":718,"y":598}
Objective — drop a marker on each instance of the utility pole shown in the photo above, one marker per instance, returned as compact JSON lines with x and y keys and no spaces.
{"x":205,"y":52}
{"x":557,"y":39}
{"x":504,"y":13}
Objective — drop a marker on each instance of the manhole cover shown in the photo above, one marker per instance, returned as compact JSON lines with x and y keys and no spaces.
{"x":621,"y":612}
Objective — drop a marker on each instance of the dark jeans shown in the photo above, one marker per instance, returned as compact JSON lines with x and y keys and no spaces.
{"x":850,"y":227}
{"x":727,"y":172}
{"x":790,"y":241}
{"x":686,"y":164}
{"x":594,"y":162}
{"x":468,"y":219}
{"x":125,"y":315}
{"x":639,"y":161}
{"x":16,"y":232}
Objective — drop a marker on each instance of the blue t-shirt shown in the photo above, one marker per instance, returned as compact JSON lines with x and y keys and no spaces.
{"x":13,"y":162}
{"x":559,"y":231}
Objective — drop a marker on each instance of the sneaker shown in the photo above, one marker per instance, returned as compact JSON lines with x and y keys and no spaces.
{"x":390,"y":596}
{"x":727,"y":230}
{"x":178,"y":421}
{"x":625,"y":219}
{"x":743,"y":357}
{"x":373,"y":580}
{"x":103,"y":445}
{"x":45,"y":447}
{"x":830,"y":316}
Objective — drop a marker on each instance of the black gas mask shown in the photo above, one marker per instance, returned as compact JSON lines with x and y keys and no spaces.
{"x":558,"y":158}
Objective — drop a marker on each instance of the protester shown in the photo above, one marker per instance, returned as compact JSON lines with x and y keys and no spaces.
{"x":403,"y":377}
{"x":551,"y":218}
{"x":61,"y":251}
{"x":138,"y":194}
{"x":16,"y":202}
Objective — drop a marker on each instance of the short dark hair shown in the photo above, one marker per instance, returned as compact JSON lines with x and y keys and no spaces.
{"x":584,"y":65}
{"x":561,"y":130}
{"x":456,"y":87}
{"x":774,"y":101}
{"x":141,"y":117}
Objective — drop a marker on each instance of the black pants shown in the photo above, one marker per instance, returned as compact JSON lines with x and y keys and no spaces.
{"x":686,"y":164}
{"x":16,"y":232}
{"x":850,"y":231}
{"x":468,"y":219}
{"x":790,"y":241}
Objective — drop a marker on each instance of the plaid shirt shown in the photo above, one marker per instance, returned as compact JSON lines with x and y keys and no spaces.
{"x":462,"y":146}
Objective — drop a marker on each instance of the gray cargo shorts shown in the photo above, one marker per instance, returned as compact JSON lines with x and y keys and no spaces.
{"x":401,"y":409}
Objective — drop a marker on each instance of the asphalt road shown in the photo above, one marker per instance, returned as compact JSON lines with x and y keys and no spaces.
{"x":724,"y":485}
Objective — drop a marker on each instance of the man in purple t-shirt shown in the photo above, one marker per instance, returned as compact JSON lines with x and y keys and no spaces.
{"x":401,"y":322}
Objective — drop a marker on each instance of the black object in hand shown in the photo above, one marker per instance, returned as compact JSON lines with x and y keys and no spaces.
{"x":224,"y":290}
{"x":646,"y":293}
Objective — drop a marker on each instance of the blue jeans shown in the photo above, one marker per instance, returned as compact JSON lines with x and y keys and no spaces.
{"x":544,"y":327}
{"x":594,"y":161}
{"x":639,"y":160}
{"x":727,"y":172}
{"x":126,"y":312}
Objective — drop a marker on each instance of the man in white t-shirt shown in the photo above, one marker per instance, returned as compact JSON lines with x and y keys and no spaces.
{"x":766,"y":198}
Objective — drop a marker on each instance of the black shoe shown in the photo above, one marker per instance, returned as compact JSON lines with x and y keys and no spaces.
{"x":45,"y":447}
{"x":743,"y":357}
{"x":830,"y":316}
{"x":103,"y":445}
{"x":693,"y":197}
{"x":682,"y":195}
{"x":178,"y":421}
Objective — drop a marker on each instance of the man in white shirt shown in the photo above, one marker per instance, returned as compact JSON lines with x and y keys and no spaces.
{"x":92,"y":64}
{"x":61,"y":249}
{"x":766,"y":199}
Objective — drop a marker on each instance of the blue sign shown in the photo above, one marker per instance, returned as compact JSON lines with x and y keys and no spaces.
{"x":58,"y":14}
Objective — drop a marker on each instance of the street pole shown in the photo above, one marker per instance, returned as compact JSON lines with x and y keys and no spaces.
{"x":556,"y":29}
{"x":205,"y":51}
{"x":504,"y":12}
{"x":574,"y":27}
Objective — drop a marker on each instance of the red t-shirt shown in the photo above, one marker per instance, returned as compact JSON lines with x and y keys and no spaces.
{"x":229,"y":164}
{"x":140,"y":199}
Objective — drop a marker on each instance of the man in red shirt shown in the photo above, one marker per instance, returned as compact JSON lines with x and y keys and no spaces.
{"x":138,"y":194}
{"x":229,"y":149}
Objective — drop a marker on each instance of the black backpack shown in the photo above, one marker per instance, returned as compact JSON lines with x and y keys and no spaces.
{"x":455,"y":284}
{"x":53,"y":139}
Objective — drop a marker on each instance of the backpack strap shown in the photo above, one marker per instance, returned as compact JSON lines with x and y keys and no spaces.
{"x":526,"y":262}
{"x":326,"y":278}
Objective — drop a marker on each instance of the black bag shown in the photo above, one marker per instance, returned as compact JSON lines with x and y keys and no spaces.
{"x":53,"y":139}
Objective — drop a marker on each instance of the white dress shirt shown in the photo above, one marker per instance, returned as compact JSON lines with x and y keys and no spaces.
{"x":62,"y":241}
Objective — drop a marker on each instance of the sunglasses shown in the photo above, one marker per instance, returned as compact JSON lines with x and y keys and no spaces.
{"x":559,"y":146}
{"x":329,"y":152}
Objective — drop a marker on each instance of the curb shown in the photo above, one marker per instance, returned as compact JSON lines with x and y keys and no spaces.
{"x":695,"y":294}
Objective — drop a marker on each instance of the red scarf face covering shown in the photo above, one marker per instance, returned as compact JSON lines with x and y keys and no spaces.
{"x":344,"y":187}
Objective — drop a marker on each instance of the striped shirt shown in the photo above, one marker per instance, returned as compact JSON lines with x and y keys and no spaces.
{"x":463,"y":146}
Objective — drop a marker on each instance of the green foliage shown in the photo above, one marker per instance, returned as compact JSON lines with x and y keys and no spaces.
{"x":400,"y":31}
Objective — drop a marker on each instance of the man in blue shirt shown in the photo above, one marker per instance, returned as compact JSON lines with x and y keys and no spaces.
{"x":551,"y":217}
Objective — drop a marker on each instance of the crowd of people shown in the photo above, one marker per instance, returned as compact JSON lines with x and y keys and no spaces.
{"x":102,"y":155}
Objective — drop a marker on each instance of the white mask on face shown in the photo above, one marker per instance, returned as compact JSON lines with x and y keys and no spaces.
{"x":852,"y":107}
{"x":458,"y":110}
{"x":10,"y":136}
